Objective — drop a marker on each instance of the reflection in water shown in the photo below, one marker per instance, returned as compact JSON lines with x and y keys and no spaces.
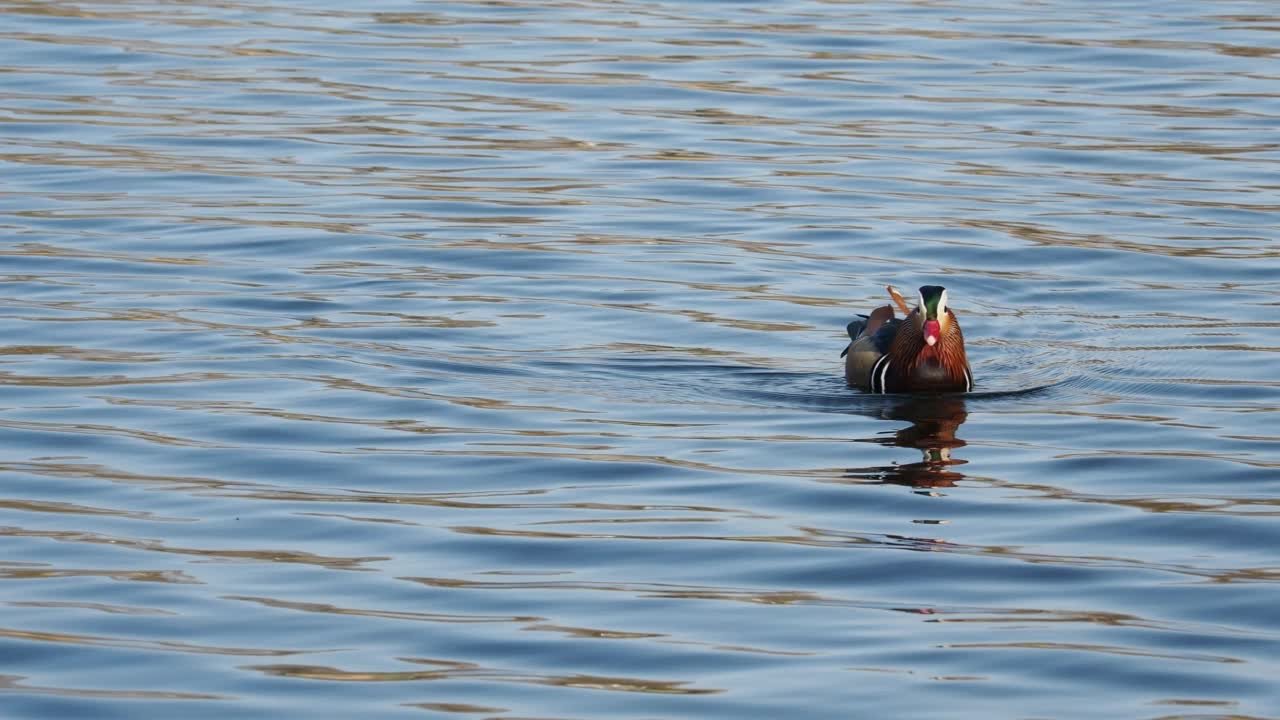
{"x":934,"y":421}
{"x":480,"y":358}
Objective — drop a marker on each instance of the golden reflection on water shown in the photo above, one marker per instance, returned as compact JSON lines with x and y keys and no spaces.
{"x":450,"y":670}
{"x":313,"y":607}
{"x":16,"y":684}
{"x":157,"y":645}
{"x":206,"y":554}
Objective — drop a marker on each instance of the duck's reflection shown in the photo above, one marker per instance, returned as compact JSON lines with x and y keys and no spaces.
{"x":934,"y":421}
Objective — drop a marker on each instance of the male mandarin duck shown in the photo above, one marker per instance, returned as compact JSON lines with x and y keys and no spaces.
{"x":923,"y":353}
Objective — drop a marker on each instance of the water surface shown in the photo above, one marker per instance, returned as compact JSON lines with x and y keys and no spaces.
{"x":482,"y":359}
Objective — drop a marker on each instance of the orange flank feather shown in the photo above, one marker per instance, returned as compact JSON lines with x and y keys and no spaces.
{"x":898,"y":300}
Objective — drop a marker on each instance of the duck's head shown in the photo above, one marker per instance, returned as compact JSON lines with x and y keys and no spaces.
{"x":931,"y":314}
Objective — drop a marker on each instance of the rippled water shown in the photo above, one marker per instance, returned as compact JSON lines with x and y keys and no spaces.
{"x":481,"y":359}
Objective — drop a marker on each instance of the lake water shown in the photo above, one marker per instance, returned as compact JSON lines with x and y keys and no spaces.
{"x":481,"y":359}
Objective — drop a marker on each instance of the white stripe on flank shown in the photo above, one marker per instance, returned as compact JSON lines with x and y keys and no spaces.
{"x":882,"y":366}
{"x":968,"y":380}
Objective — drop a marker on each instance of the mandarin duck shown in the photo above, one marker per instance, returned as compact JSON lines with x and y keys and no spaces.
{"x":923,"y":353}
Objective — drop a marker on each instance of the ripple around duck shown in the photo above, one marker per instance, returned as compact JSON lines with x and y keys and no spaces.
{"x":692,"y":381}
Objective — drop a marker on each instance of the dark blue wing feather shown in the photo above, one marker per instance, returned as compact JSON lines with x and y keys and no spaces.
{"x":882,"y":339}
{"x":884,"y":336}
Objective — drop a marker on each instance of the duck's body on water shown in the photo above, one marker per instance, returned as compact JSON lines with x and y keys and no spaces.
{"x":923,"y":352}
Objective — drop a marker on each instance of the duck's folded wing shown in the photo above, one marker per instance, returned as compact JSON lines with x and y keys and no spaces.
{"x":882,"y":337}
{"x":865,"y":354}
{"x":855,"y":329}
{"x":870,"y":326}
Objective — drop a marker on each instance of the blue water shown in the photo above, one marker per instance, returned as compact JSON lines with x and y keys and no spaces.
{"x":482,"y":360}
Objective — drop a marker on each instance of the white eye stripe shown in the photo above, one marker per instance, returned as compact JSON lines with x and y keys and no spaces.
{"x":942,"y":303}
